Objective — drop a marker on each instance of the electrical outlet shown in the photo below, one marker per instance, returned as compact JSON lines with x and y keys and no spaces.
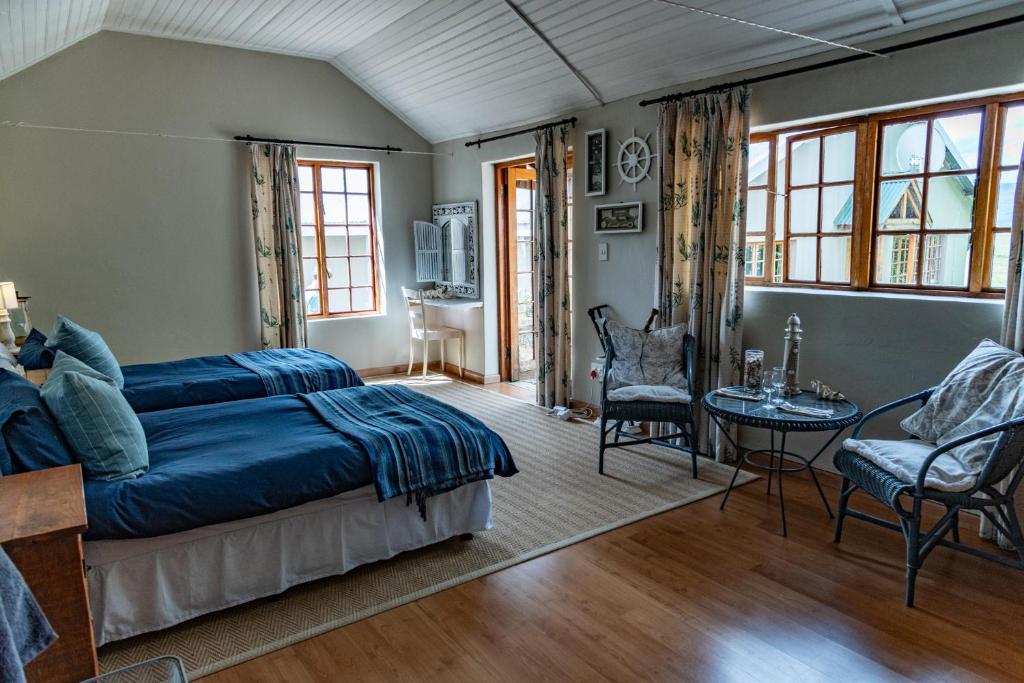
{"x":602,"y":251}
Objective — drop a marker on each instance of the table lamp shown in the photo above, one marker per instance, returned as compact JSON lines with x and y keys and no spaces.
{"x":8,"y":301}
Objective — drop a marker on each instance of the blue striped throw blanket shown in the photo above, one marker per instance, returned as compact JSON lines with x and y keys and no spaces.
{"x":298,"y":371}
{"x":417,"y":446}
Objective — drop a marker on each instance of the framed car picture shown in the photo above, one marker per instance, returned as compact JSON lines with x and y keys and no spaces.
{"x":622,"y":217}
{"x":596,"y":162}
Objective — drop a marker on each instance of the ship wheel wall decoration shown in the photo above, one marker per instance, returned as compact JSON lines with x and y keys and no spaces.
{"x":635,"y":159}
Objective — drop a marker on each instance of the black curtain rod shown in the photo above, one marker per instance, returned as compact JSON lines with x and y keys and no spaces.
{"x":836,"y":62}
{"x":277,"y":141}
{"x":480,"y":141}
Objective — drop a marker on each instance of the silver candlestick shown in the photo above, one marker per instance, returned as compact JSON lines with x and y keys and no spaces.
{"x":791,"y":356}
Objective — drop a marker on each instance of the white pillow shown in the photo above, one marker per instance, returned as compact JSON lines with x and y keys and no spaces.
{"x":647,"y":358}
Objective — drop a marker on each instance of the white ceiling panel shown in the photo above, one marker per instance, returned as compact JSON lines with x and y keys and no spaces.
{"x":451,"y":68}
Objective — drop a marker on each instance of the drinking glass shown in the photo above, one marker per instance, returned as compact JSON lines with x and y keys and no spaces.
{"x":777,"y":379}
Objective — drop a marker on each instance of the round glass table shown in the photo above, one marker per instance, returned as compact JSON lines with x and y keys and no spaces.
{"x":750,"y":413}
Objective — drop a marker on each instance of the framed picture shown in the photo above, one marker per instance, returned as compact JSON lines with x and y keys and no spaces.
{"x":595,"y":144}
{"x":622,"y":217}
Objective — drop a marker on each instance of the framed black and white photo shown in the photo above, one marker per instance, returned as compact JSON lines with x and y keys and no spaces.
{"x":595,"y":146}
{"x":622,"y":217}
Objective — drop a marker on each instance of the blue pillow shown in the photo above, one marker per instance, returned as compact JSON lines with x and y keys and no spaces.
{"x":34,"y":355}
{"x":29,"y":437}
{"x":97,"y":421}
{"x":87,"y":346}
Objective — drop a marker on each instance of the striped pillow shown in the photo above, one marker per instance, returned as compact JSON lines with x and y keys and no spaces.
{"x":96,"y":420}
{"x":87,"y":346}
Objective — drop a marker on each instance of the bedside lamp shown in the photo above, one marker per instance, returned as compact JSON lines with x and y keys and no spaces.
{"x":8,"y":301}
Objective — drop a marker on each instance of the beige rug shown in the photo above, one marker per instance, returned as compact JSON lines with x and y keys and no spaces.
{"x":557,"y":499}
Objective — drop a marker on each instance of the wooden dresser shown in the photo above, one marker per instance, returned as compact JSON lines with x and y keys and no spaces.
{"x":42,"y":517}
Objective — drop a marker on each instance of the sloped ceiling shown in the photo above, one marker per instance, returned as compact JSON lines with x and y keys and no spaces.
{"x":451,"y":68}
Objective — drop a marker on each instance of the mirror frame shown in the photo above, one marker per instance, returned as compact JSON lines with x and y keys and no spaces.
{"x":467,"y":212}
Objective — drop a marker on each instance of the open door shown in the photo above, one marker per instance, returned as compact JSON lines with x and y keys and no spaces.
{"x":518,"y":244}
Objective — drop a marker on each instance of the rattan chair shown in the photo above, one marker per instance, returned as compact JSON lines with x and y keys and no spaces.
{"x":1003,"y":465}
{"x":615,"y":414}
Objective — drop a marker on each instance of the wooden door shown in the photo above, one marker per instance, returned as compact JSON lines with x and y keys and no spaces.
{"x":517,"y":186}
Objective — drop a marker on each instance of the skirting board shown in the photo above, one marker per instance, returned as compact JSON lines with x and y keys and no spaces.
{"x":469,"y":375}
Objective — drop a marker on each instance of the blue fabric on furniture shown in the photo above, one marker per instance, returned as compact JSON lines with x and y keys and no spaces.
{"x":249,"y":458}
{"x":34,"y":355}
{"x":24,"y":629}
{"x":298,"y":371}
{"x":215,"y":379}
{"x":29,"y":437}
{"x":418,"y":446}
{"x":97,"y":421}
{"x":87,"y":346}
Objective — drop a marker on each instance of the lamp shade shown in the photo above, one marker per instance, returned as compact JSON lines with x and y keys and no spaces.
{"x":8,"y":295}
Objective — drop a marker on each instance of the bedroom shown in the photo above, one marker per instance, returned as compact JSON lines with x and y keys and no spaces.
{"x":125,"y":206}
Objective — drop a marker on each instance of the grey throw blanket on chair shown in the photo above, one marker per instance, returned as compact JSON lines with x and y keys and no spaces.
{"x":24,"y":630}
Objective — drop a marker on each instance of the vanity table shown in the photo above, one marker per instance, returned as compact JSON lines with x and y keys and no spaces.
{"x":454,"y":304}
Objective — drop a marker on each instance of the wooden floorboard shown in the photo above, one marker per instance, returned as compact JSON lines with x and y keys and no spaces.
{"x":694,"y":594}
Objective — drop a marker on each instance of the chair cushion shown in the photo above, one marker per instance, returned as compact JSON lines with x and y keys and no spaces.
{"x":649,"y":392}
{"x":646,"y":358}
{"x":96,"y":419}
{"x":984,"y":389}
{"x":34,"y":355}
{"x":903,"y":459}
{"x":87,"y":346}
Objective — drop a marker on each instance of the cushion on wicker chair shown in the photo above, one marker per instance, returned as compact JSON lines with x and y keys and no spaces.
{"x":903,"y":459}
{"x":649,"y":392}
{"x":646,"y":358}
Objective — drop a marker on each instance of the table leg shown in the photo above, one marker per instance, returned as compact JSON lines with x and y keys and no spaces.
{"x":771,"y":462}
{"x":814,"y":477}
{"x":782,"y":500}
{"x":739,"y":462}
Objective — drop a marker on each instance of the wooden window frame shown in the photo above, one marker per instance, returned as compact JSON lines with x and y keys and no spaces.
{"x":1002,"y":112}
{"x":321,"y":245}
{"x":865,"y":207}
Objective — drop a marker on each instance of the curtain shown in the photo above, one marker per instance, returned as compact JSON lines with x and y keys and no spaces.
{"x":274,"y":192}
{"x":551,"y":268}
{"x":703,"y":142}
{"x":1013,"y":317}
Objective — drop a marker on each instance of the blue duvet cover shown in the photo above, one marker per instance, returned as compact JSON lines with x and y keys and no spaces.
{"x":215,"y":379}
{"x":217,"y":463}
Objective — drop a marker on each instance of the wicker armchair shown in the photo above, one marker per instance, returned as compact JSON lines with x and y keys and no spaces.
{"x":1003,"y":463}
{"x":615,"y":413}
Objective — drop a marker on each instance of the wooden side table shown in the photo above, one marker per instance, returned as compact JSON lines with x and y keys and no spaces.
{"x":42,"y":517}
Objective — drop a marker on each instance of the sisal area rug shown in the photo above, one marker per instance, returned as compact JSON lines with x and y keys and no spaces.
{"x":557,"y":499}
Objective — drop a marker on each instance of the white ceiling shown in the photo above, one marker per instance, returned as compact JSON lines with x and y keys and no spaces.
{"x":451,"y":68}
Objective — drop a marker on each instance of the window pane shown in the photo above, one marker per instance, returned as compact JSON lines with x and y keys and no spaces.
{"x":524,"y":255}
{"x":955,"y":142}
{"x":308,"y":240}
{"x":524,"y":287}
{"x":307,"y":208}
{"x":524,"y":224}
{"x":332,"y":179}
{"x":896,"y":260}
{"x":757,"y":210}
{"x":1004,"y":198}
{"x":334,"y":240}
{"x":835,"y":259}
{"x":903,"y":147}
{"x":338,"y":301}
{"x":337,"y":272}
{"x":840,"y":153}
{"x":1000,"y":259}
{"x":524,"y":196}
{"x":357,"y":180}
{"x":362,"y":299}
{"x":899,"y":205}
{"x":780,"y":217}
{"x":306,"y":178}
{"x":803,"y":210}
{"x":753,"y":256}
{"x":950,"y":204}
{"x":359,"y":208}
{"x":309,"y":274}
{"x":947,"y":259}
{"x":803,"y":258}
{"x":804,"y":167}
{"x":777,"y":263}
{"x":313,"y":303}
{"x":1013,"y":136}
{"x":837,"y":208}
{"x":361,"y":272}
{"x":359,"y":240}
{"x":334,"y":208}
{"x":757,"y":163}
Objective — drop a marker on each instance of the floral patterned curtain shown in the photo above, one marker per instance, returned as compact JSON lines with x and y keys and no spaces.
{"x":551,"y":268}
{"x":1013,"y":317}
{"x":274,"y":192}
{"x":703,"y":142}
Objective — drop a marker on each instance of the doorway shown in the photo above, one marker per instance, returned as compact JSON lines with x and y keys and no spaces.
{"x":517,"y":202}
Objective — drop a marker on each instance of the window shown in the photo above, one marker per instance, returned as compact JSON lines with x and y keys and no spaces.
{"x":339,"y":238}
{"x":917,"y":199}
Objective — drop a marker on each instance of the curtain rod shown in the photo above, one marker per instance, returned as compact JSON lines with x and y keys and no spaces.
{"x":836,"y":62}
{"x":370,"y":148}
{"x":571,"y":121}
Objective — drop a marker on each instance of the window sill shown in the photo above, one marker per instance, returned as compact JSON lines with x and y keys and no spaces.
{"x":355,"y":316}
{"x":996,"y":300}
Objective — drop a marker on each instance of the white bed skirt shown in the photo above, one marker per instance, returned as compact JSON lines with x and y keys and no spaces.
{"x":142,"y":585}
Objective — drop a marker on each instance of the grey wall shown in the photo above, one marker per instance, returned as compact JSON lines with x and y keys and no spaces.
{"x":148,"y":240}
{"x":874,"y":347}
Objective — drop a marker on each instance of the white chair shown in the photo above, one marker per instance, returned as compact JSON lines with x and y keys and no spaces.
{"x":420,"y":330}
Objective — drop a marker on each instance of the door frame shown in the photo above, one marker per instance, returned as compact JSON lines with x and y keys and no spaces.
{"x":503,"y":262}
